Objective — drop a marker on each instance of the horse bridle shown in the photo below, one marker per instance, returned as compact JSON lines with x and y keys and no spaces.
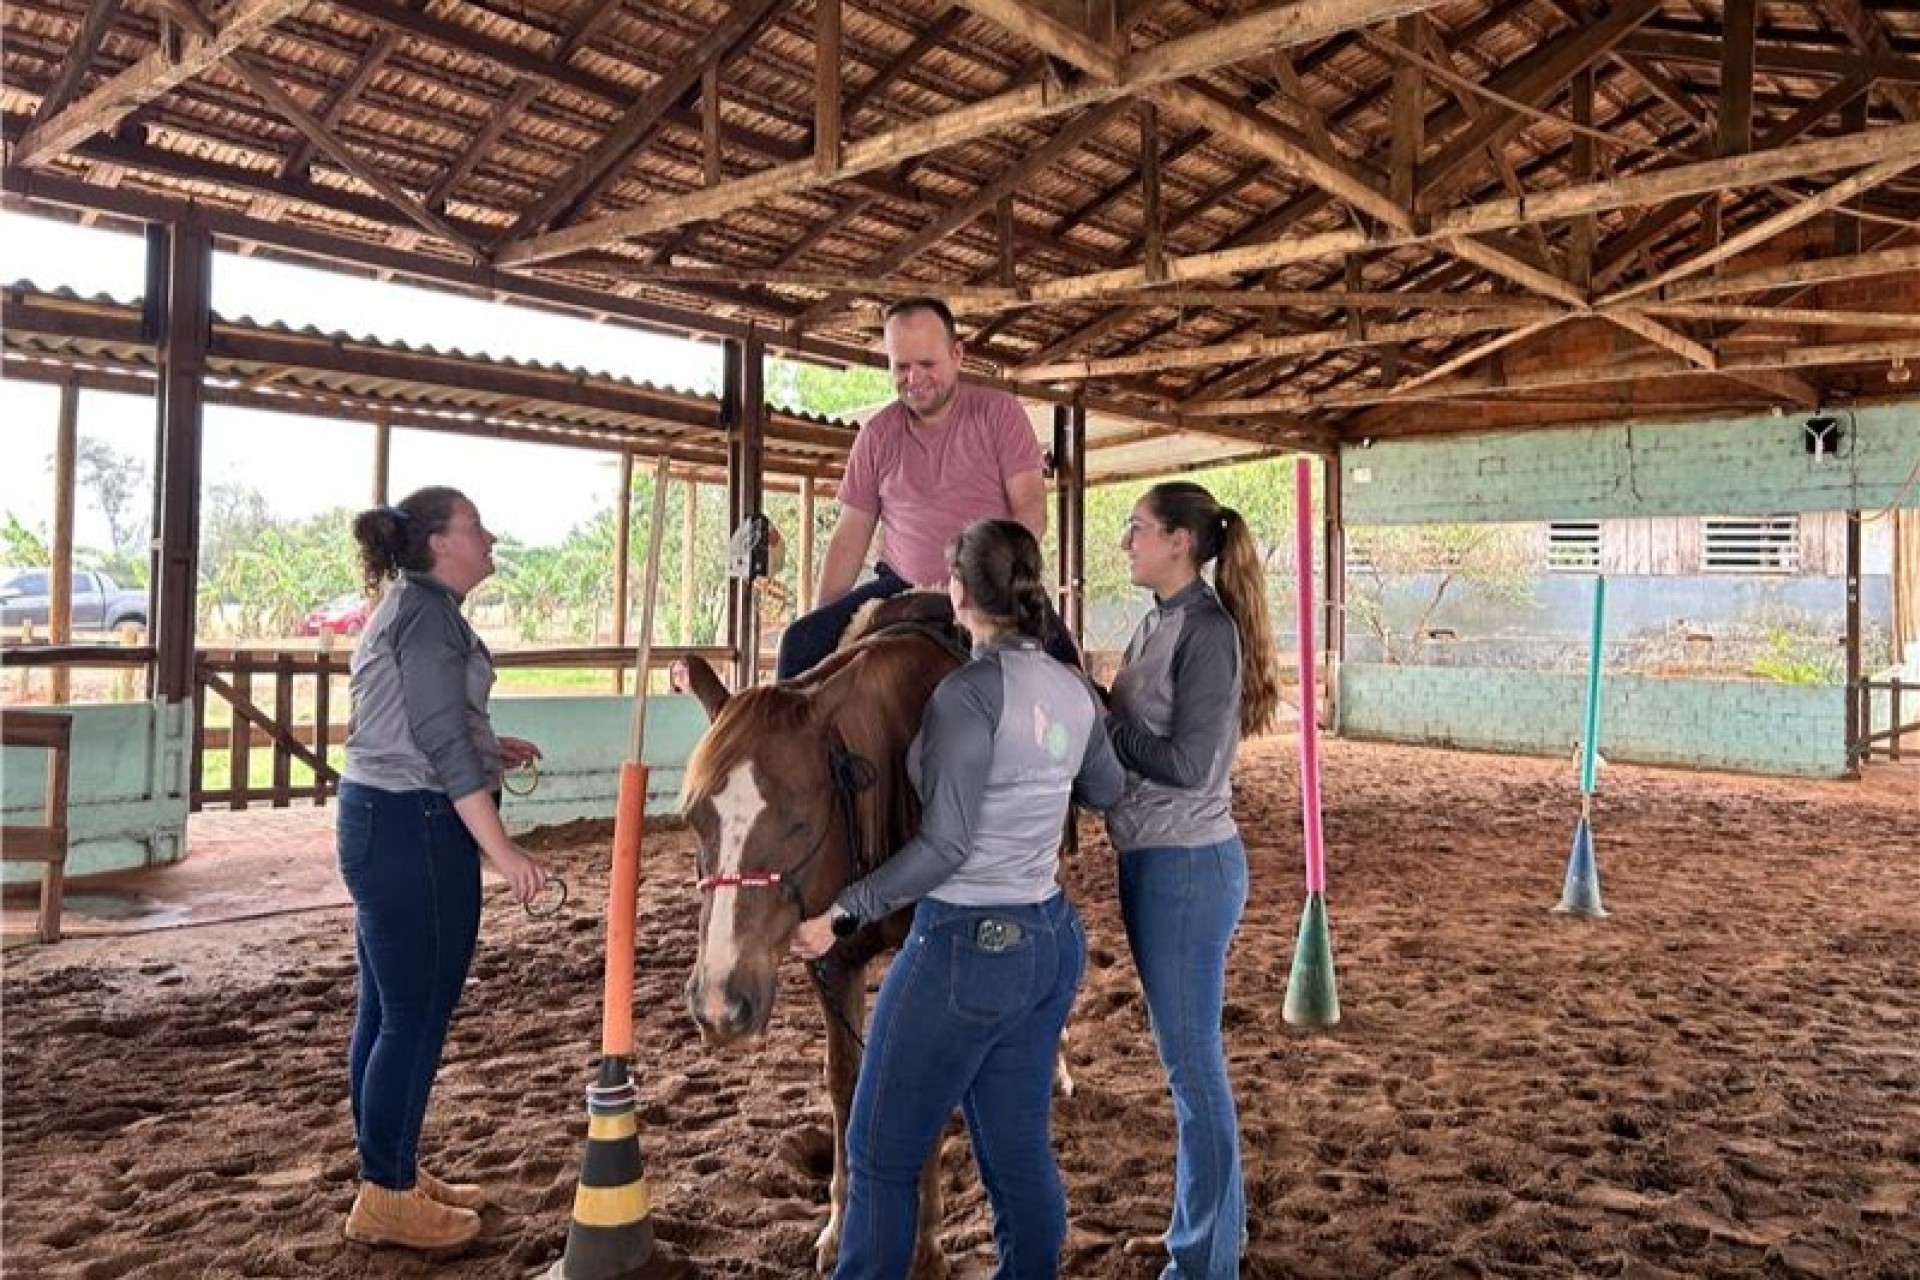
{"x":851,"y":774}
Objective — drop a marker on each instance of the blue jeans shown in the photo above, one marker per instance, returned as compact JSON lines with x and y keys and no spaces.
{"x":811,"y":638}
{"x":414,"y":873}
{"x":1180,"y":908}
{"x":970,"y":1015}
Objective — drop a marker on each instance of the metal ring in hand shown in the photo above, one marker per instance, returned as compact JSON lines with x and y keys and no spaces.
{"x":554,"y":882}
{"x":530,"y":770}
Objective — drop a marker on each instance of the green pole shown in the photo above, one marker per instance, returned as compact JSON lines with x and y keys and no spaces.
{"x":1590,"y":733}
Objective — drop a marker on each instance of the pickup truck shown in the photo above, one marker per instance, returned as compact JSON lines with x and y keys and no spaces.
{"x":99,"y":603}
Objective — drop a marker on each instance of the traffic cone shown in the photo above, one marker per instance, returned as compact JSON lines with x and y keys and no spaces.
{"x":1580,"y":895}
{"x":1313,"y":999}
{"x":611,"y":1235}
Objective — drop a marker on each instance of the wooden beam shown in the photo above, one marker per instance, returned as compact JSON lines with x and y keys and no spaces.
{"x":1288,"y":24}
{"x":1869,"y":35}
{"x":1839,"y":193}
{"x":147,"y":80}
{"x":602,"y":166}
{"x":1250,"y":130}
{"x":1069,"y":139}
{"x":1502,"y":263}
{"x":1003,"y":235}
{"x":1050,"y":35}
{"x":1409,"y":117}
{"x":1265,"y":347}
{"x":1662,"y":336}
{"x":1785,"y":58}
{"x":94,"y":25}
{"x":826,"y":85}
{"x":1736,"y":77}
{"x":1153,"y":252}
{"x":1582,"y":234}
{"x":363,"y":73}
{"x":1790,"y":316}
{"x":1859,"y":266}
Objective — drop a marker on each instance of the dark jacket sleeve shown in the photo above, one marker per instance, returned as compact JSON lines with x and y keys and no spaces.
{"x":956,"y":756}
{"x":1101,"y":780}
{"x":430,"y":649}
{"x":1206,"y":672}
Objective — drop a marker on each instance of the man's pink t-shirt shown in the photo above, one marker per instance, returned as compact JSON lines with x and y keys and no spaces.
{"x":926,"y":484}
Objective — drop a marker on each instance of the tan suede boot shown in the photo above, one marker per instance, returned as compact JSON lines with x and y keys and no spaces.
{"x":410,"y":1218}
{"x":461,"y":1195}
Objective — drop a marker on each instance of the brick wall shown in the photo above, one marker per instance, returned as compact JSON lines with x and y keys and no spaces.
{"x":1741,"y":466}
{"x":1738,"y":725}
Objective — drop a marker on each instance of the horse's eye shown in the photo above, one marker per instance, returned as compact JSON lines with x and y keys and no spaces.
{"x":796,"y":829}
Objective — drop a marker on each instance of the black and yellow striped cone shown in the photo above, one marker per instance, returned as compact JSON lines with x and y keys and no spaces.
{"x":611,"y":1236}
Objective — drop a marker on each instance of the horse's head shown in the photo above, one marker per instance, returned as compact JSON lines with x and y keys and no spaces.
{"x":793,"y":787}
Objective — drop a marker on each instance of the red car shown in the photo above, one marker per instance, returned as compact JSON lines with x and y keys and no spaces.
{"x":342,"y":615}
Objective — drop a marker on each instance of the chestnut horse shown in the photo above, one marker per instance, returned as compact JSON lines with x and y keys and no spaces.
{"x":796,"y":790}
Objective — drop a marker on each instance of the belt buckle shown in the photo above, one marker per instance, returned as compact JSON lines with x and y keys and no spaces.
{"x":995,"y":935}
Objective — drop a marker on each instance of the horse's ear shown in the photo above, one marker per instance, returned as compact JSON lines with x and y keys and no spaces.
{"x":703,"y":684}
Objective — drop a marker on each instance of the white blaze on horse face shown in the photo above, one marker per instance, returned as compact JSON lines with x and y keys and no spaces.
{"x":736,"y":807}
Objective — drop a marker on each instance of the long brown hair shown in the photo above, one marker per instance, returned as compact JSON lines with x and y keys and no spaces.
{"x":1220,"y":534}
{"x":998,"y":562}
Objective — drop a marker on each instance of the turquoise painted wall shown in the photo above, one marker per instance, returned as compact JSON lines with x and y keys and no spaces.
{"x":1739,"y":725}
{"x":1740,"y":466}
{"x":583,"y":741}
{"x":128,"y":786}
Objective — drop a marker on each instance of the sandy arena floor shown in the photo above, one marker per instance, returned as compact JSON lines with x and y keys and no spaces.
{"x":1723,"y":1079}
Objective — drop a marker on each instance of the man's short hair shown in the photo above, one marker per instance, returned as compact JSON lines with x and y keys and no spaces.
{"x":931,"y":306}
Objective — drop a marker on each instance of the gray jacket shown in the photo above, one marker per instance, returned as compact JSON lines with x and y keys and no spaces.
{"x":1007,"y":743}
{"x":420,"y":682}
{"x":1176,"y":724}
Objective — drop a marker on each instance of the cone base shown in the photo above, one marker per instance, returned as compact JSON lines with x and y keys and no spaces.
{"x":610,"y":1253}
{"x":1580,"y":892}
{"x":1313,"y":996}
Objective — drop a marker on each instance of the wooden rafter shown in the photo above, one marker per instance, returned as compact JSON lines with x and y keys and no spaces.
{"x":94,"y":26}
{"x":1189,"y":55}
{"x":146,"y":80}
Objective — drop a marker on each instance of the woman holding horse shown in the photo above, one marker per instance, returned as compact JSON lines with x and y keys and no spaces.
{"x":972,"y":1010}
{"x":1197,"y":675}
{"x":418,"y":812}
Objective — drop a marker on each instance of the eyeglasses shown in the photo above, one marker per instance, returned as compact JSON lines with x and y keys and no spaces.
{"x":1134,"y":525}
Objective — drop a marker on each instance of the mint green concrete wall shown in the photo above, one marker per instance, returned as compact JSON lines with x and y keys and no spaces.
{"x":1741,"y":466}
{"x":127,"y":804}
{"x":127,"y":788}
{"x":1741,"y":725}
{"x":583,"y":741}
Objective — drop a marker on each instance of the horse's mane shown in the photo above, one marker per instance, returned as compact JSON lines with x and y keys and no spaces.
{"x":875,"y":690}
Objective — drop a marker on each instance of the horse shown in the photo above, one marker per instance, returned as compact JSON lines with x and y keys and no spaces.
{"x":798,"y":789}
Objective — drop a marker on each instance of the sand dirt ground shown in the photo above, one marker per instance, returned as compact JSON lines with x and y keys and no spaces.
{"x":1722,"y":1079}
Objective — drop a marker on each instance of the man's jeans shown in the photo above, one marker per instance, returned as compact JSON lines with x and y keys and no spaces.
{"x":970,"y":1015}
{"x":414,"y":872}
{"x":1180,"y":908}
{"x":812,"y":637}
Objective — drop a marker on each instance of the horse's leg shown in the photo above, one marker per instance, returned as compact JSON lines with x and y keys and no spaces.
{"x":843,"y":997}
{"x":928,"y":1262}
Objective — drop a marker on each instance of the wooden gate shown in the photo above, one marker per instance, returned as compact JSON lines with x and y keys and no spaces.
{"x":1885,"y":742}
{"x":279,"y":701}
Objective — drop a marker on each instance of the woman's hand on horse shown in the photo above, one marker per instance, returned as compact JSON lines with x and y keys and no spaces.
{"x":515,"y":752}
{"x":814,"y":938}
{"x":523,"y":872}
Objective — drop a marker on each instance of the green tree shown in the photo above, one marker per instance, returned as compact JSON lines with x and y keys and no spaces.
{"x":1398,"y":576}
{"x":833,"y":393}
{"x":117,"y":483}
{"x":21,"y":546}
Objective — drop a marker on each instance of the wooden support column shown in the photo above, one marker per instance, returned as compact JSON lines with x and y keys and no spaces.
{"x":1073,"y":531}
{"x":1062,"y":496}
{"x":710,"y":156}
{"x":1735,"y":120}
{"x":1846,"y":230}
{"x":1857,"y":704}
{"x":1004,"y":233}
{"x":1153,"y":255}
{"x":803,"y":573}
{"x":689,"y":566}
{"x":66,"y":451}
{"x":622,"y":560}
{"x":826,"y":85}
{"x":1580,"y":245}
{"x":1333,"y":594}
{"x":182,"y":358}
{"x":745,"y":397}
{"x":1409,"y":116}
{"x":382,"y":462}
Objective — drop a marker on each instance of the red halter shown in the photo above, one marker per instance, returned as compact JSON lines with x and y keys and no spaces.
{"x":742,"y":880}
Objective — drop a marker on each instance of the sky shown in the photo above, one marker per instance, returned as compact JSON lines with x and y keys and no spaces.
{"x":534,"y":493}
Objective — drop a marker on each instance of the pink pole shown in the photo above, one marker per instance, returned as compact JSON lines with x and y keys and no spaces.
{"x":1309,"y":699}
